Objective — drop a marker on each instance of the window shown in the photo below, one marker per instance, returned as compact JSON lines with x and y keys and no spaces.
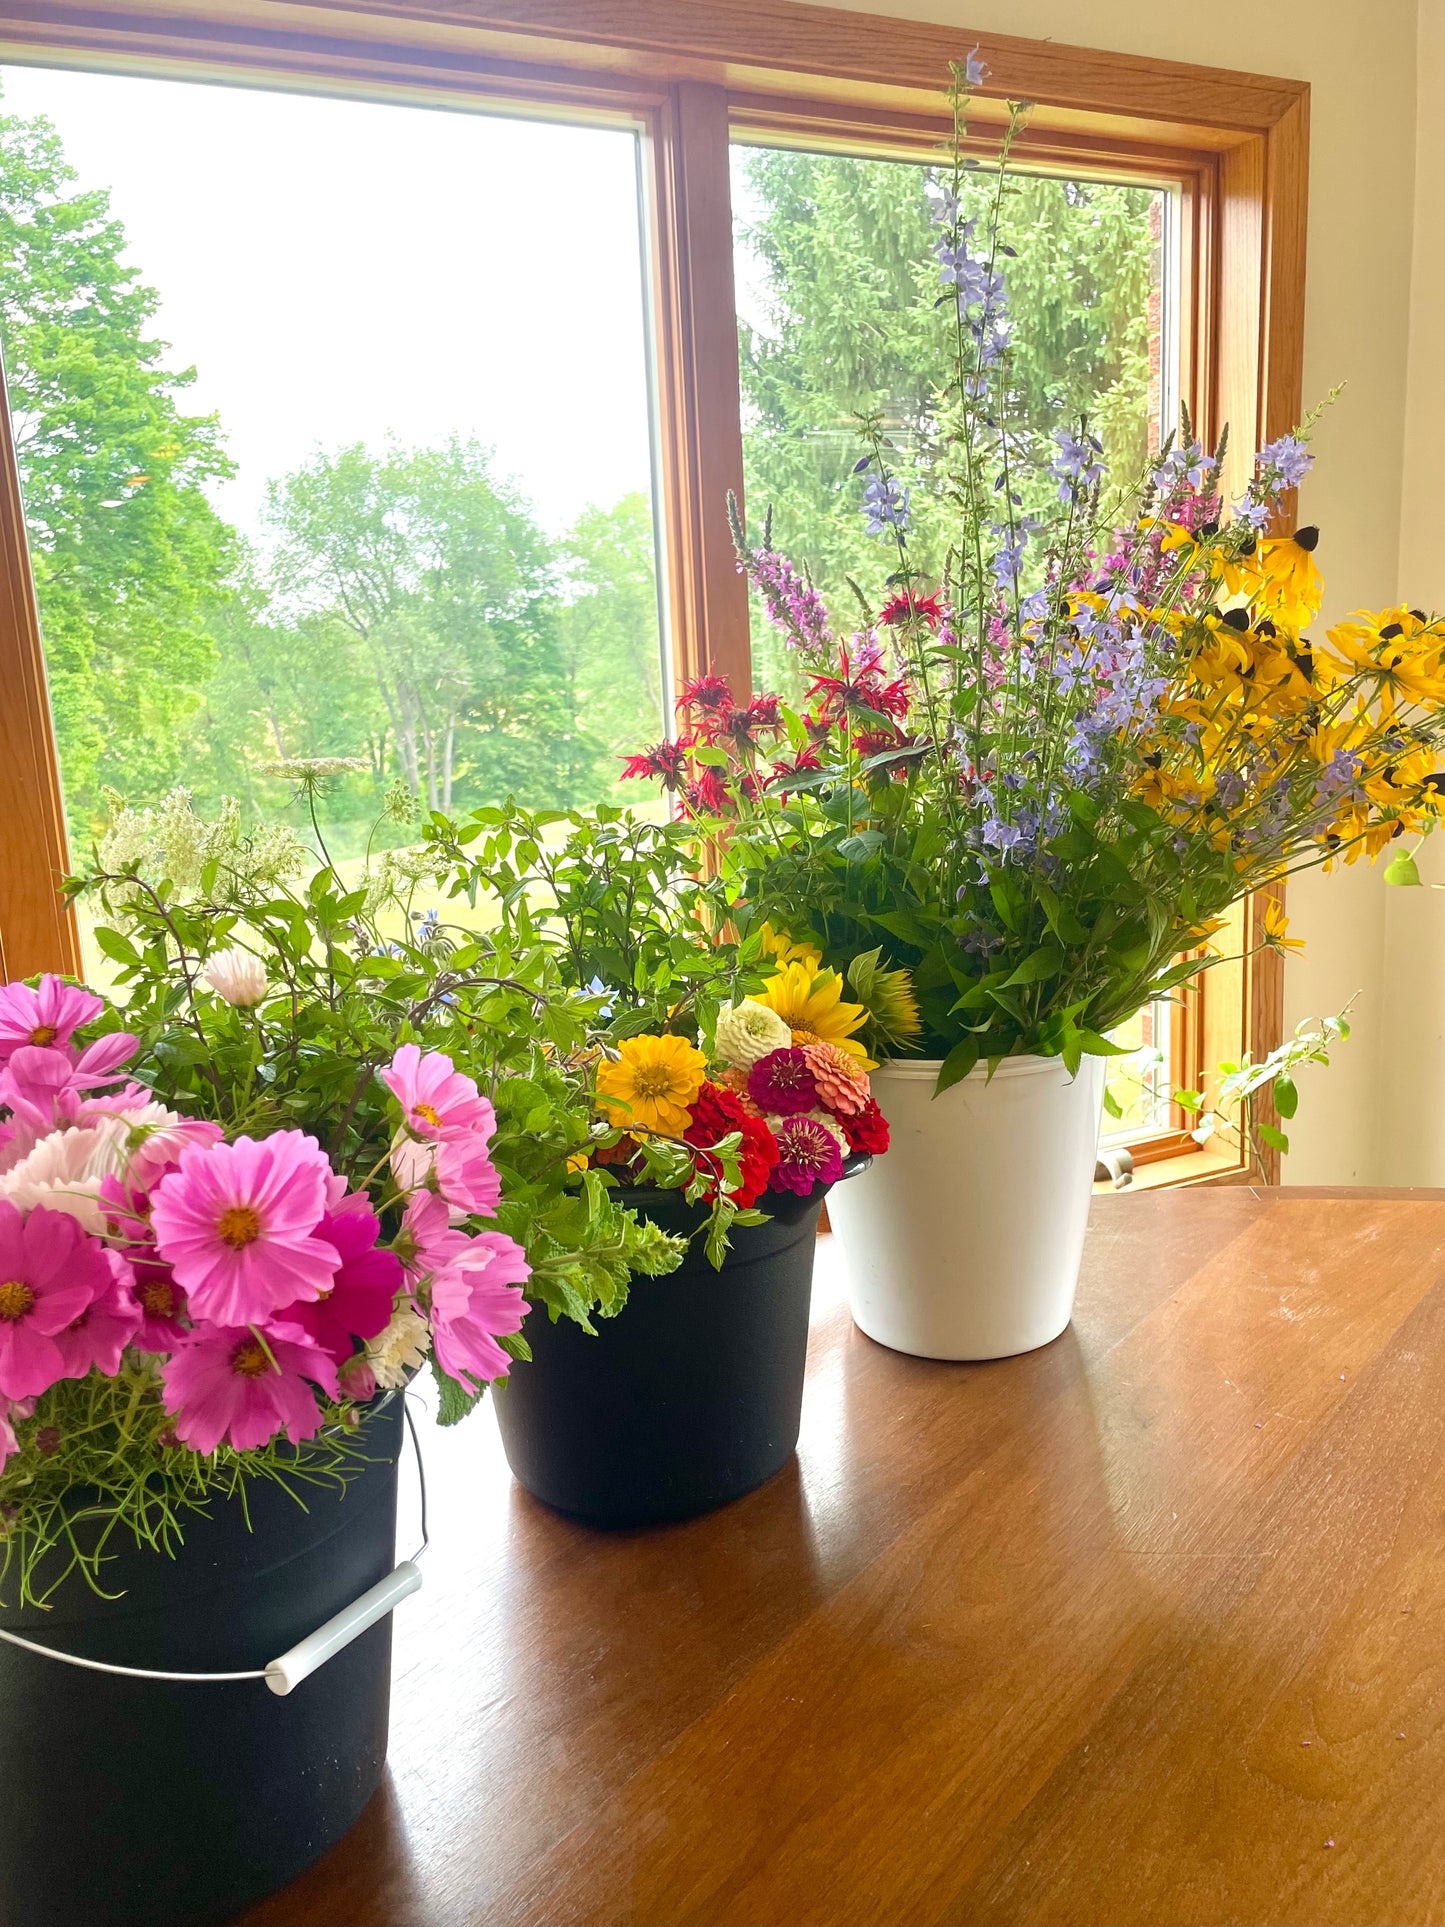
{"x":664,"y":114}
{"x":286,"y":501}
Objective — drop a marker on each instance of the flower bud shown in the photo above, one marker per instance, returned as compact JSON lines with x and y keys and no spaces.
{"x":237,"y":976}
{"x":358,"y":1379}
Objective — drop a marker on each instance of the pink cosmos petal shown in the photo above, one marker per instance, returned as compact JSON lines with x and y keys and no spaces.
{"x":237,"y":1222}
{"x":9,"y":1444}
{"x":476,"y":1300}
{"x":99,"y":1061}
{"x":49,"y":1013}
{"x":38,"y":1085}
{"x":107,"y":1325}
{"x":220,"y":1386}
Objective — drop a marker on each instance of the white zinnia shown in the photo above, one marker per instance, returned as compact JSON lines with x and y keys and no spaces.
{"x":749,"y":1031}
{"x":237,"y":976}
{"x":401,"y":1349}
{"x":64,"y":1171}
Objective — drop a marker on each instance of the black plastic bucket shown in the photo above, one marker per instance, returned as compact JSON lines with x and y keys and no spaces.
{"x":132,"y":1803}
{"x":686,"y":1400}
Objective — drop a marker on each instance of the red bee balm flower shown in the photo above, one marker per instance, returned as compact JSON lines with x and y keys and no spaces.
{"x":665,"y":763}
{"x":903,"y":608}
{"x":716,"y":1114}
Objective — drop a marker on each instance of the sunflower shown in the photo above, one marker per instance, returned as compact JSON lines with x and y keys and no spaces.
{"x":811,"y":1004}
{"x":889,"y":1000}
{"x":778,"y":945}
{"x":652,"y":1083}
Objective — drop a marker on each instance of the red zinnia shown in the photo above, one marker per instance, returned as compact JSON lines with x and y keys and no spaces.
{"x":866,"y":1130}
{"x":716,"y":1114}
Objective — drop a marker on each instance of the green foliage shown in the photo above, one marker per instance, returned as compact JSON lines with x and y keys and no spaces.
{"x":1245,"y":1087}
{"x":107,"y":1438}
{"x":624,"y":899}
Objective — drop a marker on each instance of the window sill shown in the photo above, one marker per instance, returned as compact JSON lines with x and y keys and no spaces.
{"x":1207,"y":1166}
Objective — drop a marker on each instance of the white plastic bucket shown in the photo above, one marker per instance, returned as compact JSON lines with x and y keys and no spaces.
{"x":965,"y":1240}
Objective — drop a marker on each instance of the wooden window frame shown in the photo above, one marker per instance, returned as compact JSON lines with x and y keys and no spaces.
{"x":692,"y":74}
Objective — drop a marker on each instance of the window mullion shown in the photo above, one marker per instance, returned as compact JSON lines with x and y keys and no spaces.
{"x":37,"y":927}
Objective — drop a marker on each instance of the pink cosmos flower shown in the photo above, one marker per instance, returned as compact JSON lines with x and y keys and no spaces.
{"x":9,"y":1444}
{"x":238,"y":1223}
{"x":460,"y":1172}
{"x":782,"y":1084}
{"x":362,"y":1297}
{"x":50,"y":1013}
{"x":437,"y":1100}
{"x":808,"y":1155}
{"x":224,"y":1383}
{"x":446,"y":1127}
{"x":50,"y":1271}
{"x":428,"y":1238}
{"x":105,"y":1327}
{"x":475,"y":1300}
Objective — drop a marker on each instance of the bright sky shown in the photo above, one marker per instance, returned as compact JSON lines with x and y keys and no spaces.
{"x":338,"y":271}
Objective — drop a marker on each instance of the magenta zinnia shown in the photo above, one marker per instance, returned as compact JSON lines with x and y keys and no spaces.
{"x":782,"y":1083}
{"x":808,"y":1155}
{"x":238,"y":1224}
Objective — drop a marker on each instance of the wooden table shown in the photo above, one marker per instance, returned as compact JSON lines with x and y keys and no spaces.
{"x":1146,"y":1627}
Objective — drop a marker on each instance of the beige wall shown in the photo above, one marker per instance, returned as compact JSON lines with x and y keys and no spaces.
{"x":1366,"y":1119}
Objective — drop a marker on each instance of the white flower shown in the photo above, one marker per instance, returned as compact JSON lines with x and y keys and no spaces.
{"x":749,"y":1031}
{"x":64,"y":1171}
{"x":237,"y":976}
{"x":401,"y":1349}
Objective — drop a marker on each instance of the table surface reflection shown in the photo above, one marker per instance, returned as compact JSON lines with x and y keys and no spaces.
{"x":1145,"y":1626}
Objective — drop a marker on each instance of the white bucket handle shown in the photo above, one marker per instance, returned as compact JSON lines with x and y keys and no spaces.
{"x":285,"y":1674}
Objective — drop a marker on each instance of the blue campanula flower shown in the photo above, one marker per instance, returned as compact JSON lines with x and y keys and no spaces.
{"x":885,"y":503}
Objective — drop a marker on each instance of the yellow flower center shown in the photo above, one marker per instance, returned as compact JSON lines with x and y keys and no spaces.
{"x":427,"y":1114}
{"x":157,"y":1298}
{"x":16,"y":1298}
{"x":653,"y":1080}
{"x":43,"y":1034}
{"x":238,"y":1227}
{"x":249,"y":1359}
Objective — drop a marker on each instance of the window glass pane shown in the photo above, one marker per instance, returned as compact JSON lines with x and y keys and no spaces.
{"x":323,"y":451}
{"x":837,"y":293}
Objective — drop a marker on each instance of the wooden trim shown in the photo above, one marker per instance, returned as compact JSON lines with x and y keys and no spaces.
{"x":702,"y":442}
{"x":769,"y":46}
{"x":37,"y":928}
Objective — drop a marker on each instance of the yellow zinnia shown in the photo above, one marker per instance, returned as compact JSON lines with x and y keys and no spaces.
{"x":652,"y":1083}
{"x":810,"y":1003}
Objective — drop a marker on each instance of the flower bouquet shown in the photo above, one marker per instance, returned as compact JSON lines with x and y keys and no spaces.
{"x":722,"y":1118}
{"x":239,"y":1212}
{"x":1035,"y":762}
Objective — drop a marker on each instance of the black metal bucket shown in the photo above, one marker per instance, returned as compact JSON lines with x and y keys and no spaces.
{"x":133,"y":1803}
{"x":689,"y":1398}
